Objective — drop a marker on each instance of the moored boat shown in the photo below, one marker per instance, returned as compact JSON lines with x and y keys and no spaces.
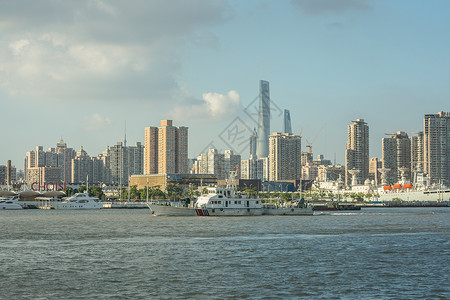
{"x":293,"y":210}
{"x":168,"y":208}
{"x":336,"y":207}
{"x":217,"y":202}
{"x":10,"y":203}
{"x":80,"y":201}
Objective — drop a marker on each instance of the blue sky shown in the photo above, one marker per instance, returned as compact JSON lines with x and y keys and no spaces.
{"x":81,"y":70}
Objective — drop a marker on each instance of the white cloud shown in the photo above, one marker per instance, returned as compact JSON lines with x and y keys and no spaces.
{"x":212,"y":106}
{"x":100,"y":50}
{"x":19,"y":46}
{"x":96,"y":122}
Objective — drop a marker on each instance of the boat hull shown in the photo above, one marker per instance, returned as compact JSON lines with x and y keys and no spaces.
{"x":11,"y":207}
{"x":425,"y":196}
{"x":76,"y":206}
{"x":288,"y":211}
{"x":234,"y":212}
{"x":167,"y":210}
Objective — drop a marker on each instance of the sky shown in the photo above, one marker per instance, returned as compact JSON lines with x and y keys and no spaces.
{"x":89,"y":71}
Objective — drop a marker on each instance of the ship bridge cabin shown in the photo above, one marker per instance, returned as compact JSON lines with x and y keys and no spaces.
{"x":218,"y":197}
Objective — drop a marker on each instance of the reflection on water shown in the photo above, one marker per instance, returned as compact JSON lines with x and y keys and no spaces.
{"x":373,"y":253}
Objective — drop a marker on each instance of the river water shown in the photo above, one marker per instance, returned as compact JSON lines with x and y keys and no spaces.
{"x":387,"y":253}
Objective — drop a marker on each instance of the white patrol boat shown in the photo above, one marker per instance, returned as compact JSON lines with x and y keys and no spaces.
{"x":225,"y":202}
{"x":218,"y":201}
{"x":80,"y":201}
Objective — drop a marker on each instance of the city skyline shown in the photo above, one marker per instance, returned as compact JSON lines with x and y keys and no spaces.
{"x":82,"y":70}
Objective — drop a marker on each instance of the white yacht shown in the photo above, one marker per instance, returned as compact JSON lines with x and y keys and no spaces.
{"x":10,"y":203}
{"x":80,"y":201}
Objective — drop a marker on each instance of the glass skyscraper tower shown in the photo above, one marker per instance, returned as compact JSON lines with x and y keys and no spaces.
{"x":262,"y":147}
{"x":287,"y":122}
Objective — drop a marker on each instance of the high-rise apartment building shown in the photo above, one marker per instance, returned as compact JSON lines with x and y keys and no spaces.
{"x":82,"y":167}
{"x":4,"y":174}
{"x":287,"y":128}
{"x":262,"y":149}
{"x":118,"y":164}
{"x":374,"y":173}
{"x":284,"y":156}
{"x":417,"y":152}
{"x":357,"y":151}
{"x":166,"y":149}
{"x":64,"y":157}
{"x":151,"y":150}
{"x":396,"y":156}
{"x":135,"y":159}
{"x":125,"y":161}
{"x":59,"y":158}
{"x":217,"y":163}
{"x":437,"y":147}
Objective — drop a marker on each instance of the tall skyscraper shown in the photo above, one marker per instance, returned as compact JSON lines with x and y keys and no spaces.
{"x":357,"y":151}
{"x":287,"y":128}
{"x":262,"y":149}
{"x":166,"y":149}
{"x":437,"y":147}
{"x":396,"y":155}
{"x":284,"y":156}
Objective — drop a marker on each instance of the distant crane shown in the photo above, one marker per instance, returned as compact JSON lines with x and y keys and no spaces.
{"x":309,"y":144}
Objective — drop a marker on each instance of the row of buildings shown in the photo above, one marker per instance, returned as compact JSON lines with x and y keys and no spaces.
{"x":165,"y":151}
{"x":402,"y":155}
{"x":273,"y":157}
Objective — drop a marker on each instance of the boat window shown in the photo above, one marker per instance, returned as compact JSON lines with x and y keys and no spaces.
{"x":219,"y":202}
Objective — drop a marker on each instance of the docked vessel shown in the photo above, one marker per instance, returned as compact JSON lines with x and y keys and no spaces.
{"x":217,"y":202}
{"x":10,"y":203}
{"x":335,"y":207}
{"x":419,"y":191}
{"x":411,"y":195}
{"x":225,"y":202}
{"x":171,"y":208}
{"x":288,"y":210}
{"x":80,"y":201}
